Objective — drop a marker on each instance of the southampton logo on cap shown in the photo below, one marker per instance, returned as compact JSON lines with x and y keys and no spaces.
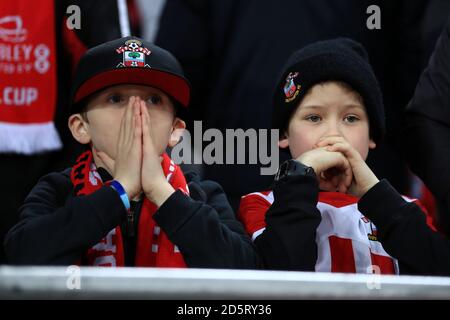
{"x":133,"y":54}
{"x":290,"y":89}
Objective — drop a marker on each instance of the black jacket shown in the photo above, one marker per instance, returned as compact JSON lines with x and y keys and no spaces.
{"x":404,"y":233}
{"x":289,"y":240}
{"x":426,"y":134}
{"x":56,"y":227}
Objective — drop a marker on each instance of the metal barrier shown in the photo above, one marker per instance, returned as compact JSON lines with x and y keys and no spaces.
{"x":155,"y":283}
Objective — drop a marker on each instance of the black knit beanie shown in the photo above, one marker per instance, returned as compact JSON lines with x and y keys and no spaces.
{"x":339,"y":59}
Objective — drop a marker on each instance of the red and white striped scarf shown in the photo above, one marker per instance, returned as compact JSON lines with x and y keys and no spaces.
{"x":154,"y":249}
{"x":28,"y":79}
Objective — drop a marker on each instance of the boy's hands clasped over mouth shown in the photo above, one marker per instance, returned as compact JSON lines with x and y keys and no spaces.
{"x":339,"y":167}
{"x":138,"y":165}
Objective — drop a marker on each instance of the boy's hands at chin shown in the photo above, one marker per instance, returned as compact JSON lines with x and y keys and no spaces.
{"x":126,"y":168}
{"x":363,"y":178}
{"x":154,"y":183}
{"x":332,"y":169}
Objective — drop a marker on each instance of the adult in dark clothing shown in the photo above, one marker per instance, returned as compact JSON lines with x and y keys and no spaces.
{"x":233,"y":50}
{"x":124,"y":105}
{"x":426,"y":135}
{"x":99,"y":23}
{"x":434,"y":19}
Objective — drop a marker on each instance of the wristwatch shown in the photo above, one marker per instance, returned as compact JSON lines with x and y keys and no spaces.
{"x":293,"y":168}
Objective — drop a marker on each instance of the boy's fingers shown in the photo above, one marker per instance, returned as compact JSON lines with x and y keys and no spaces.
{"x":351,"y":157}
{"x":131,"y":123}
{"x":335,"y":180}
{"x":123,"y":124}
{"x":147,"y":118}
{"x":134,"y":132}
{"x":341,"y":175}
{"x":330,"y":141}
{"x":144,"y":122}
{"x":145,"y":113}
{"x":137,"y":124}
{"x":346,"y":180}
{"x":145,"y":129}
{"x":127,"y":118}
{"x":343,"y":172}
{"x":323,"y":139}
{"x":341,"y":187}
{"x":137,"y":135}
{"x":332,"y":136}
{"x":348,"y":177}
{"x":135,"y":112}
{"x":351,"y":154}
{"x":129,"y":112}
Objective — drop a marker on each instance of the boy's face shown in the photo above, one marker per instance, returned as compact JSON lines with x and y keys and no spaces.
{"x":100,"y":124}
{"x":328,"y":109}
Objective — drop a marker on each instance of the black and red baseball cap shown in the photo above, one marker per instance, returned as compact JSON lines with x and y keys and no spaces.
{"x":128,"y":60}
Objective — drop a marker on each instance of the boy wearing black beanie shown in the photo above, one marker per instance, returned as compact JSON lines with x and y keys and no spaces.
{"x":329,"y":108}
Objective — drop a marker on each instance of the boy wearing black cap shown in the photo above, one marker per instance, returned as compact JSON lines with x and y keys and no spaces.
{"x":125,"y":203}
{"x":329,"y":108}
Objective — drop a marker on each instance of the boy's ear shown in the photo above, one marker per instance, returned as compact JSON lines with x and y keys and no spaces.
{"x":372,"y":144}
{"x":283,"y":143}
{"x":178,"y":127}
{"x":79,"y":128}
